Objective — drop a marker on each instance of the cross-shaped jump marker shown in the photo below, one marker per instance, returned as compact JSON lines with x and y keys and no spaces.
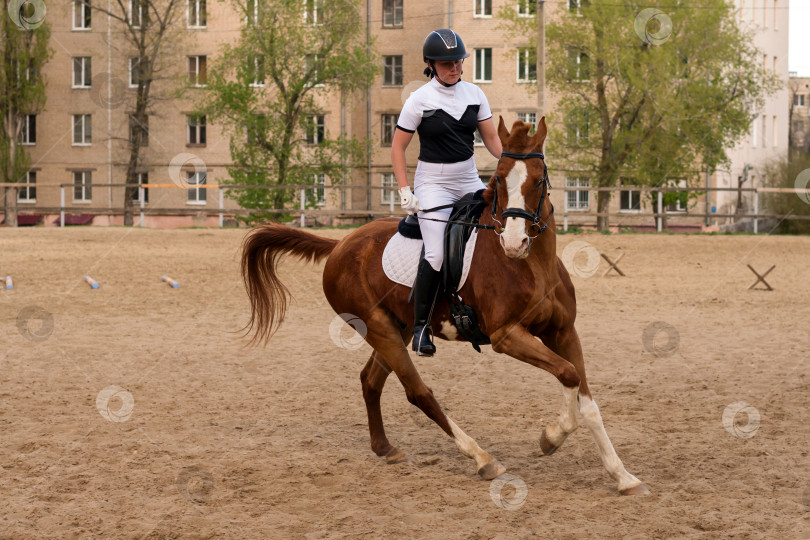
{"x":761,"y":277}
{"x":613,"y":265}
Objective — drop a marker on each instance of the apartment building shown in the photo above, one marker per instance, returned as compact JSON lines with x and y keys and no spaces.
{"x":768,"y":138}
{"x":799,"y":88}
{"x":79,"y":141}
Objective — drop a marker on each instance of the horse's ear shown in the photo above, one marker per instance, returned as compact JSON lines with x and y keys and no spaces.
{"x":539,"y":136}
{"x":503,"y":133}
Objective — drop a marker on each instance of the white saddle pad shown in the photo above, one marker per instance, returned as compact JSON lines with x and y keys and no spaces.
{"x":401,"y":258}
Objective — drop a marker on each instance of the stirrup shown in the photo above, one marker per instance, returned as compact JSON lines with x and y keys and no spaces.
{"x":422,"y":343}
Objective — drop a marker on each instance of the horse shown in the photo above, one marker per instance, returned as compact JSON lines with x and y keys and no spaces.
{"x":522,"y":294}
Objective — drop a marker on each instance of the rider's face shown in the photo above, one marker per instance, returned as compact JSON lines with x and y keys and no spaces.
{"x":449,"y":71}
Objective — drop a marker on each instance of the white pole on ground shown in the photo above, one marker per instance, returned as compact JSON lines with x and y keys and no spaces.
{"x":756,"y":211}
{"x":62,"y":206}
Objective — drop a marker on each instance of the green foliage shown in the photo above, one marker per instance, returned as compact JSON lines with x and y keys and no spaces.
{"x":648,"y":102}
{"x":266,"y":89}
{"x":23,"y":53}
{"x":791,"y":174}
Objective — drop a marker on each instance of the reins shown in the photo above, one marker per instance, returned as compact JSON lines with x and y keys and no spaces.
{"x":509,"y":212}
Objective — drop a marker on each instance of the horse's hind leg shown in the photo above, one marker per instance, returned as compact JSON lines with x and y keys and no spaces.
{"x":373,"y":379}
{"x":385,"y":338}
{"x":569,"y":347}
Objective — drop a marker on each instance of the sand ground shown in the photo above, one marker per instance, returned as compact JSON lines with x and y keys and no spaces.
{"x":134,"y":410}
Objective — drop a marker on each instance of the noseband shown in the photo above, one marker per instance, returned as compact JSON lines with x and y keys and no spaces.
{"x":520,"y":212}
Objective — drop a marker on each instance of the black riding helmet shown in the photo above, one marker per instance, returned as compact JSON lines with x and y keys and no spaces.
{"x":442,"y":44}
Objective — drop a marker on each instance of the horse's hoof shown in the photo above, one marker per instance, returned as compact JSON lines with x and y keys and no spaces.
{"x":545,"y":445}
{"x":491,"y":470}
{"x":640,"y":489}
{"x":395,"y":456}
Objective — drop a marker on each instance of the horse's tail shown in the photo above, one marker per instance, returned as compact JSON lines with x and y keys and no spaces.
{"x":261,"y":251}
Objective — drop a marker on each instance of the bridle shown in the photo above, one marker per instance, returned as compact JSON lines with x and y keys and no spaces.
{"x":520,"y":212}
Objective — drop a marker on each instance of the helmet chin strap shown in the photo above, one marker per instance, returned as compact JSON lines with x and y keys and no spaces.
{"x":433,"y":69}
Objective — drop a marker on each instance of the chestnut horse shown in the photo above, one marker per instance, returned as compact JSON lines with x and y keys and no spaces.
{"x":518,"y":286}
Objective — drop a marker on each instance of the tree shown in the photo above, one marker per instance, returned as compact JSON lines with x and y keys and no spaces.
{"x":24,"y":50}
{"x":148,"y":28}
{"x":265,"y":90}
{"x":643,"y":94}
{"x":793,"y":174}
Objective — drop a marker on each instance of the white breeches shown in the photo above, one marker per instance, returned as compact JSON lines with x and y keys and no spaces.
{"x":436,"y":184}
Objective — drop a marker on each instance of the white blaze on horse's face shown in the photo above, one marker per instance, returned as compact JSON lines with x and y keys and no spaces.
{"x":514,"y":240}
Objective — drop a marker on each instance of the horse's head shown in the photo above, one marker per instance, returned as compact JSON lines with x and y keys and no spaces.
{"x":520,"y":187}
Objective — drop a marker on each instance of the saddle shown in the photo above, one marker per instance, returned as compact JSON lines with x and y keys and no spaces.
{"x":463,"y":217}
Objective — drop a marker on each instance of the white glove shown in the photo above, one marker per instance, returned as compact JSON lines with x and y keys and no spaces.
{"x":408,"y":200}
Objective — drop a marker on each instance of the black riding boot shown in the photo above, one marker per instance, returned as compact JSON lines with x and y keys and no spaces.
{"x":425,"y":290}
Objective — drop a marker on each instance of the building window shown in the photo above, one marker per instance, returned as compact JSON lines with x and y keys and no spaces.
{"x":393,"y":71}
{"x":319,"y":192}
{"x":316,"y":129}
{"x":574,"y":6}
{"x":81,"y":14}
{"x":529,"y":118}
{"x":27,"y":192}
{"x":142,"y":179}
{"x":311,"y":63}
{"x":28,"y":133}
{"x":798,"y":100}
{"x":775,"y":130}
{"x":526,"y":8}
{"x":577,"y":199}
{"x":483,"y":65}
{"x":483,"y":8}
{"x":389,"y":189}
{"x":577,"y":126}
{"x":764,"y":125}
{"x":388,"y":126}
{"x":255,"y":65}
{"x":579,"y":67}
{"x":82,"y":186}
{"x":676,"y":200}
{"x":196,"y":70}
{"x":196,"y":130}
{"x":196,"y":14}
{"x":138,"y":71}
{"x":526,"y":64}
{"x":313,"y":12}
{"x":252,"y":12}
{"x":138,"y":9}
{"x":630,"y":199}
{"x":754,"y":134}
{"x":82,"y":132}
{"x":196,"y":191}
{"x":392,"y":13}
{"x":139,"y":131}
{"x":82,"y":74}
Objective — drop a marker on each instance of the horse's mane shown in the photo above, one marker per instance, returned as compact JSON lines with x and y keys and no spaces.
{"x":518,"y":142}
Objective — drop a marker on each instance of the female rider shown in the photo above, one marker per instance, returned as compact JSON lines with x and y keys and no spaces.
{"x":445,"y":112}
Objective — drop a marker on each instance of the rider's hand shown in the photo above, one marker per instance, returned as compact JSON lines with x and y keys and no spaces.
{"x":408,"y":200}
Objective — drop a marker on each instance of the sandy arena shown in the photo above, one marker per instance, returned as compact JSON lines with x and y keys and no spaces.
{"x":135,"y":411}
